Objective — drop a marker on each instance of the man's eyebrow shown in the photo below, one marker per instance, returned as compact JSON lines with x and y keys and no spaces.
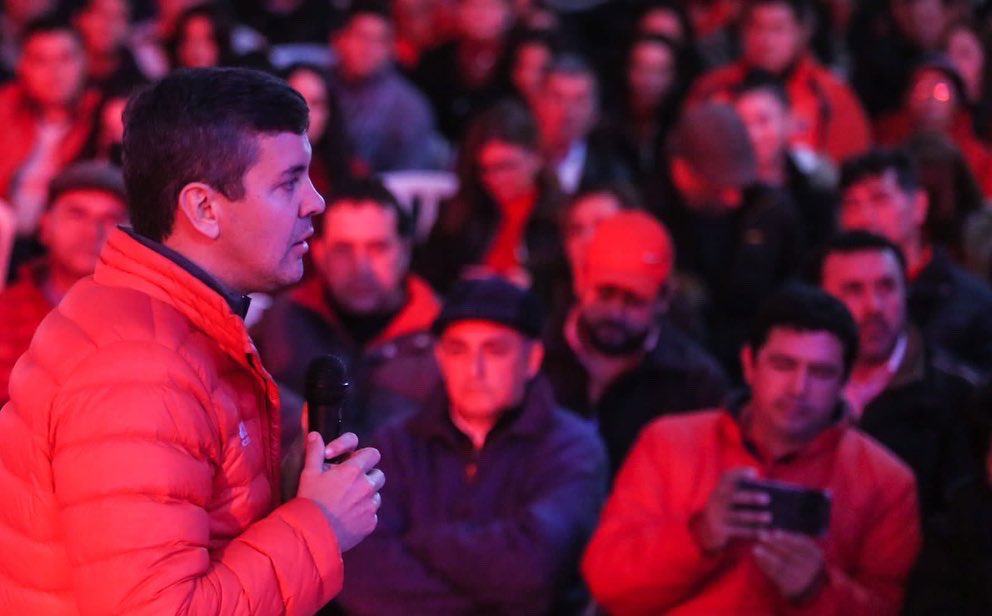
{"x":294,"y":170}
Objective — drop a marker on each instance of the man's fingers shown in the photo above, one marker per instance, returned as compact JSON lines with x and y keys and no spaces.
{"x":747,"y":497}
{"x":376,"y":501}
{"x":314,"y":458}
{"x":769,"y":561}
{"x":377,"y":478}
{"x":365,"y":459}
{"x":749,"y":519}
{"x":341,"y":445}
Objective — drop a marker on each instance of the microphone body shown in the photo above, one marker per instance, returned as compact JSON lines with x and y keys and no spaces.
{"x":325,"y":390}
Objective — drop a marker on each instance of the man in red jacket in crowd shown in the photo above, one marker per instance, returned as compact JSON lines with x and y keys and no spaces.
{"x":681,"y":535}
{"x":85,"y":203}
{"x":139,"y":454}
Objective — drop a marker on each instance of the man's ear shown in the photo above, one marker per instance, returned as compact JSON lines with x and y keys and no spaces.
{"x":747,"y":363}
{"x":535,"y":359}
{"x":921,"y":205}
{"x":200,"y":206}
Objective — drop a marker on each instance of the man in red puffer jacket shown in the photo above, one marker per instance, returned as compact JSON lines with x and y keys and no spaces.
{"x":139,"y":454}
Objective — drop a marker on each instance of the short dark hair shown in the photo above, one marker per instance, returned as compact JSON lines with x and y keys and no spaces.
{"x":376,"y":8}
{"x":49,"y":24}
{"x":757,"y":80}
{"x":368,"y":189}
{"x":806,"y":308}
{"x":848,"y":242}
{"x":573,"y":64}
{"x":877,"y":162}
{"x":801,"y":9}
{"x":625,"y":194}
{"x":200,"y":125}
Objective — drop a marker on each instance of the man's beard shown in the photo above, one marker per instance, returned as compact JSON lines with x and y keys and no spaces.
{"x":621,"y":343}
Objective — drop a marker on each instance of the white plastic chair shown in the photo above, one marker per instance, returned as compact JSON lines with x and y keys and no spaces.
{"x":7,"y":231}
{"x":421,"y":192}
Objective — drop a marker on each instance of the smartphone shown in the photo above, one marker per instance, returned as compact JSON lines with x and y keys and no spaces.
{"x":794,"y":508}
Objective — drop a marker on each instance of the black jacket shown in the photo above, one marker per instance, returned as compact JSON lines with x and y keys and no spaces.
{"x":676,"y":375}
{"x":920,"y":418}
{"x":954,"y":311}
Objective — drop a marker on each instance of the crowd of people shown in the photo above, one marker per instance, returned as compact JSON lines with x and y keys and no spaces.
{"x":692,"y":244}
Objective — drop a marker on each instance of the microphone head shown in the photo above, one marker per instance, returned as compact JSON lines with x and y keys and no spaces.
{"x":326,"y":380}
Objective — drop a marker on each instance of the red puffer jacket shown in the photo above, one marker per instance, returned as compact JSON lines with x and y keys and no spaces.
{"x":139,"y":459}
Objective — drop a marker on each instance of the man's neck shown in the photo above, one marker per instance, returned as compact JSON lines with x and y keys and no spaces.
{"x":771,"y":443}
{"x":603,"y":369}
{"x":773,"y":172}
{"x":918,"y":256}
{"x":869,"y":368}
{"x":475,"y":429}
{"x":57,"y":283}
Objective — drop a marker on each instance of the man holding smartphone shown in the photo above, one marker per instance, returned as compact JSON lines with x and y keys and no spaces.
{"x":693,"y":526}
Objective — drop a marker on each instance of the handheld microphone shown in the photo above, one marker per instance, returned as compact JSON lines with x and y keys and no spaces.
{"x":325,"y":389}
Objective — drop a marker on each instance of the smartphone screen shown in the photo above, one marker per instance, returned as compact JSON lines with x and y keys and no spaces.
{"x":795,"y":508}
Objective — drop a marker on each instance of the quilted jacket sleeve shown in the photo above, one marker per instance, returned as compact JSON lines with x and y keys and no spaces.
{"x":134,"y":467}
{"x":642,"y":558}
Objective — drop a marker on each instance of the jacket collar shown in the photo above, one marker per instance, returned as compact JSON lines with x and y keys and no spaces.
{"x":417,"y":314}
{"x":127,"y":261}
{"x":733,"y":429}
{"x":238,"y":303}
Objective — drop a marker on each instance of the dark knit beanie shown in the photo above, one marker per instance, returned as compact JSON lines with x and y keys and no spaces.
{"x":492,"y":299}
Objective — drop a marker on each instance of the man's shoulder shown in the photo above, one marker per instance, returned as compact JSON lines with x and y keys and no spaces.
{"x":677,"y":351}
{"x":865,"y":457}
{"x":685,"y":430}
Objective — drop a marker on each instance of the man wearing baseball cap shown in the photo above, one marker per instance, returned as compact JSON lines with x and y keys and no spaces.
{"x":493,"y":490}
{"x":85,"y":202}
{"x":737,"y":239}
{"x":616,"y":358}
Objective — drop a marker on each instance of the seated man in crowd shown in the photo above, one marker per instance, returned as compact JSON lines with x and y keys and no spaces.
{"x":775,"y":36}
{"x":85,"y":203}
{"x":47,"y":113}
{"x":680,"y":534}
{"x":362,"y":306}
{"x":764,"y":107}
{"x":390,"y":122}
{"x":493,"y":489}
{"x":567,"y":112}
{"x":881,"y":193}
{"x":898,"y":392}
{"x":615,"y":357}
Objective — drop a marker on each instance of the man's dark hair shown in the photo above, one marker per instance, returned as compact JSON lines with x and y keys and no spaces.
{"x":807,"y":309}
{"x":626,"y":195}
{"x":574,"y":65}
{"x":49,"y":24}
{"x":368,"y":189}
{"x":878,"y":162}
{"x":200,"y":125}
{"x":757,"y":80}
{"x":376,"y":8}
{"x":801,"y":9}
{"x":849,"y":242}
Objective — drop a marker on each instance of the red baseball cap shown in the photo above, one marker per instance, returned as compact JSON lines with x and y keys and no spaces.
{"x":631,"y":250}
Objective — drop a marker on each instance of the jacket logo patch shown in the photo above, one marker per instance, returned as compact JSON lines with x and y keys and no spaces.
{"x":243,"y":433}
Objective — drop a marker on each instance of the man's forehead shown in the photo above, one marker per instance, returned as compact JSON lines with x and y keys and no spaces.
{"x":861,"y":263}
{"x":802,"y":343}
{"x":479,"y":331}
{"x":90,"y":198}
